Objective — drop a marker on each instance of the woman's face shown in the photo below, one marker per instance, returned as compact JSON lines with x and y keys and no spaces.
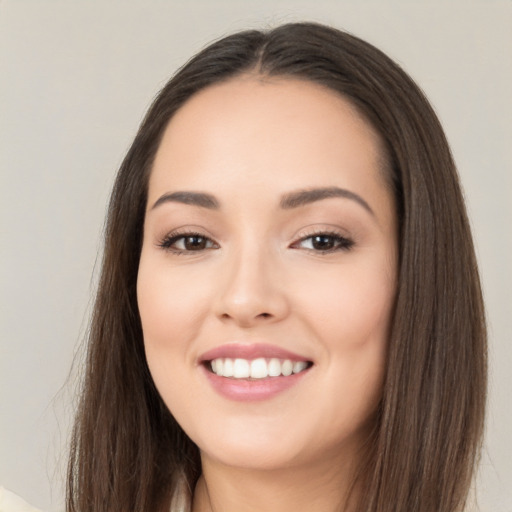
{"x":268,"y":272}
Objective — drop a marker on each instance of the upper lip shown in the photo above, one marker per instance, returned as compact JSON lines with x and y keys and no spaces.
{"x":250,"y":351}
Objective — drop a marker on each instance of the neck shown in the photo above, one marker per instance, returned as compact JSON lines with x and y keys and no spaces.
{"x":327,"y":486}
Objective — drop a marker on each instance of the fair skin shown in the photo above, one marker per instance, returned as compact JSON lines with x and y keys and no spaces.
{"x":239,"y":263}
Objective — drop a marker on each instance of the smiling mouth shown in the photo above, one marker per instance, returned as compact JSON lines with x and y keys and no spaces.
{"x":255,"y":369}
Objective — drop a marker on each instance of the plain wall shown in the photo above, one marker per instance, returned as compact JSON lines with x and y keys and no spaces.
{"x":75,"y":80}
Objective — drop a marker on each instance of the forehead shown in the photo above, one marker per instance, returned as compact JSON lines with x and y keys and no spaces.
{"x":257,"y":128}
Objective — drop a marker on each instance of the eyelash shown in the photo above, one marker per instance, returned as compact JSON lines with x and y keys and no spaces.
{"x":339,"y":242}
{"x":171,"y":239}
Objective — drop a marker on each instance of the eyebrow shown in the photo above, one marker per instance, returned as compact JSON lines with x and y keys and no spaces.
{"x":304,"y":197}
{"x":193,"y":198}
{"x":288,"y":201}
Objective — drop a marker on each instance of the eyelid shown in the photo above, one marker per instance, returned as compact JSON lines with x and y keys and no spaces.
{"x":346,"y":244}
{"x":165,"y":242}
{"x":343,"y":242}
{"x":321,"y":229}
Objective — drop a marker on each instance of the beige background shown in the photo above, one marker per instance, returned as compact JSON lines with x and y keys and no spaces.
{"x":75,"y":79}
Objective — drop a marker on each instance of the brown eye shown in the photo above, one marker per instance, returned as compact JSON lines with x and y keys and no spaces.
{"x":324,"y":243}
{"x":191,"y":242}
{"x":195,"y":243}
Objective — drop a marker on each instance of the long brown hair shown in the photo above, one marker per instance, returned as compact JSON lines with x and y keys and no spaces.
{"x":128,"y":452}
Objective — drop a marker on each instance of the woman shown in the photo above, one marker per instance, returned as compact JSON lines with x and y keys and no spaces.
{"x":289,"y":314}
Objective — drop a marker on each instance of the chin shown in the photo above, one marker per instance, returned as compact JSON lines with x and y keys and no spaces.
{"x":259,"y":447}
{"x":270,"y":449}
{"x":255,"y":458}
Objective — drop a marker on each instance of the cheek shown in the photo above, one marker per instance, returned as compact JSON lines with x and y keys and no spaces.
{"x":350,"y":313}
{"x":169,"y":317}
{"x":169,"y":305}
{"x":163,"y":307}
{"x":350,"y":307}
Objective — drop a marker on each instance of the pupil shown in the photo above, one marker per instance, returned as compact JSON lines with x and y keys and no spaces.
{"x":323,"y":242}
{"x":194,"y":243}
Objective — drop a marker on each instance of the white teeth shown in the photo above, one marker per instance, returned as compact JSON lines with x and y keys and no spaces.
{"x":298,"y":366}
{"x":259,"y":368}
{"x":287,"y":367}
{"x":228,"y":370}
{"x":274,"y":368}
{"x":241,"y":369}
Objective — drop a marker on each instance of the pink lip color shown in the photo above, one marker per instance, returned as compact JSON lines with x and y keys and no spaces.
{"x":246,"y":390}
{"x":251,"y":351}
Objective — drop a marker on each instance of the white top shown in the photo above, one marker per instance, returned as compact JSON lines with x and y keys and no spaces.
{"x":10,"y":502}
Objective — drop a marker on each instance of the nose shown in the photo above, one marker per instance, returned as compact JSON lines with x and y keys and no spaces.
{"x":251,"y":292}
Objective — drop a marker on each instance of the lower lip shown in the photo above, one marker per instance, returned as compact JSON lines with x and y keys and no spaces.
{"x":245,"y":390}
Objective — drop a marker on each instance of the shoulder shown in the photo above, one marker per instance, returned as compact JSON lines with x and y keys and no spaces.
{"x":10,"y":502}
